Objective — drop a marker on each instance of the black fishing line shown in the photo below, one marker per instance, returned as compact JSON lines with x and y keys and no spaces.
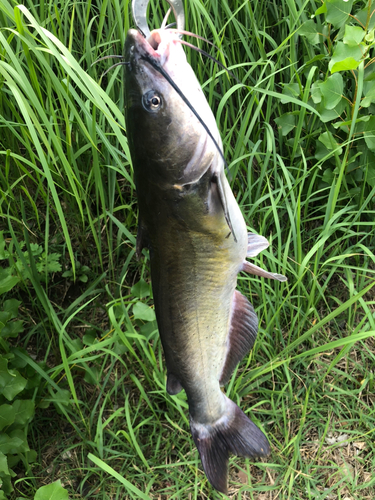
{"x":187,"y":102}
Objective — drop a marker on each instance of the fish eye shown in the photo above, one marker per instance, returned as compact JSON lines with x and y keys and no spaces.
{"x":151,"y":100}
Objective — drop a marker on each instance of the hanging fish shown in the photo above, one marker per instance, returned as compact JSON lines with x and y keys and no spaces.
{"x":198,"y":242}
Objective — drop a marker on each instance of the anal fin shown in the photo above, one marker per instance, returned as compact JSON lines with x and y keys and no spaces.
{"x":242,"y":334}
{"x":258,"y":271}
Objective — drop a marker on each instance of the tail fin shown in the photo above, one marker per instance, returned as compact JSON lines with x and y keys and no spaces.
{"x":232,"y":433}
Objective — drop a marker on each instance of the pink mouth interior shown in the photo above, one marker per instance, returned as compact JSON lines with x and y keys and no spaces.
{"x":154,"y":39}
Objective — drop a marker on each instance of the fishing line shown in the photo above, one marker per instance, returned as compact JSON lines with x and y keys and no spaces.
{"x":186,"y":101}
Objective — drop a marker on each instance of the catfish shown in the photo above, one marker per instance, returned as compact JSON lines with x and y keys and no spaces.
{"x":198,"y":243}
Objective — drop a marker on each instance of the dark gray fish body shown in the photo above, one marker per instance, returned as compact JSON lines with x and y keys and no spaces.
{"x":206,"y":326}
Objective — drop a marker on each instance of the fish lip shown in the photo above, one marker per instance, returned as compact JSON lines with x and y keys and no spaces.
{"x":140,"y":46}
{"x":156,"y":49}
{"x":146,"y":48}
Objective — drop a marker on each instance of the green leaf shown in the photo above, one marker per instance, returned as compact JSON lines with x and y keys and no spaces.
{"x":53,"y":264}
{"x":31,"y":456}
{"x":4,"y":318}
{"x":344,"y":65}
{"x":329,"y":142}
{"x":11,"y":382}
{"x":321,"y":151}
{"x":369,"y":94}
{"x":35,"y":249}
{"x":286,"y":122}
{"x":310,"y":30}
{"x":7,"y":281}
{"x":321,"y":10}
{"x":10,"y":444}
{"x":7,"y":414}
{"x":24,"y":411}
{"x":62,"y":397}
{"x":353,"y":35}
{"x":332,"y":90}
{"x":92,"y":376}
{"x":331,"y":114}
{"x":11,"y":306}
{"x":292,"y":90}
{"x":148,"y":329}
{"x":371,"y":172}
{"x":89,"y":338}
{"x":143,"y":311}
{"x":3,"y":465}
{"x":53,"y":491}
{"x":338,"y":11}
{"x":20,"y":434}
{"x":369,"y":133}
{"x":328,"y":176}
{"x":345,"y":57}
{"x":11,"y":328}
{"x":316,"y":93}
{"x":4,"y":253}
{"x":370,"y":36}
{"x":140,"y":289}
{"x":362,"y":18}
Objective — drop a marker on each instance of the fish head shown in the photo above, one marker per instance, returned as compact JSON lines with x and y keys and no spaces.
{"x":168,"y":144}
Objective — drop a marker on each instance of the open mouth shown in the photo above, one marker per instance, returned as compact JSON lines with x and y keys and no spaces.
{"x":157,"y":46}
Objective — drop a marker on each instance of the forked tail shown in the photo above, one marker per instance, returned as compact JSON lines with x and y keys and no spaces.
{"x":232,"y":433}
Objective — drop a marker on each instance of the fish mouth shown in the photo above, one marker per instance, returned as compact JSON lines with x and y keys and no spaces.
{"x":157,"y":47}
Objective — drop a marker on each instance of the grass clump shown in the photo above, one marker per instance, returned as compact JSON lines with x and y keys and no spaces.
{"x":299,"y":140}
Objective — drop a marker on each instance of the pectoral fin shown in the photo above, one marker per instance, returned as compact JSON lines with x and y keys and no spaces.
{"x":242,"y":333}
{"x":224,"y":203}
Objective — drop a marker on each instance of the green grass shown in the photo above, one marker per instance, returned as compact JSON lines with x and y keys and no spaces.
{"x":104,"y":423}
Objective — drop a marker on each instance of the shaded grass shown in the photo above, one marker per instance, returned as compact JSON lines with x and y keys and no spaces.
{"x":105,"y":424}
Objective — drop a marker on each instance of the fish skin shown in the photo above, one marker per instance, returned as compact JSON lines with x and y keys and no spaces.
{"x":206,"y":326}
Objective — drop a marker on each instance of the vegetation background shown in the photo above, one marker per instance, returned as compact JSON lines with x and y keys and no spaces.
{"x":83,"y":407}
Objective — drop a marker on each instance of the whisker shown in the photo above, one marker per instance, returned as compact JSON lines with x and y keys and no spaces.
{"x":123,"y":63}
{"x":201,"y":51}
{"x":189,"y":33}
{"x":106,"y":57}
{"x":162,"y":27}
